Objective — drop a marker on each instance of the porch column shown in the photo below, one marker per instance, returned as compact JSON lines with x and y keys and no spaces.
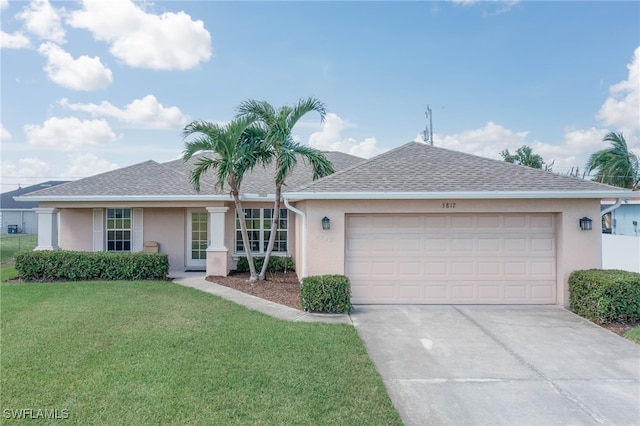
{"x":47,"y":228}
{"x":217,"y":263}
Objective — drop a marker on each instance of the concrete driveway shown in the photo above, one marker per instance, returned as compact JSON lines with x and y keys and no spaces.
{"x":501,"y":365}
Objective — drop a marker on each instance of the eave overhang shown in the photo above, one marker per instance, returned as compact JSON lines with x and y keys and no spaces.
{"x":461,"y":195}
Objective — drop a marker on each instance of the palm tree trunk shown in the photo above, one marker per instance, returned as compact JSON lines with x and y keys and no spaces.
{"x":275,"y":219}
{"x":245,"y":236}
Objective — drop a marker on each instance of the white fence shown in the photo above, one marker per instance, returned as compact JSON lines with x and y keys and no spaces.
{"x":621,"y":252}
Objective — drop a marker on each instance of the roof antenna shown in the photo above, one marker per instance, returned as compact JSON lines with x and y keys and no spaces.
{"x":427,"y":134}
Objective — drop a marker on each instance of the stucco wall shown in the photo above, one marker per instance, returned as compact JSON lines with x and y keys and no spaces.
{"x":165,"y":224}
{"x":76,"y":229}
{"x":167,"y":227}
{"x":576,"y":249}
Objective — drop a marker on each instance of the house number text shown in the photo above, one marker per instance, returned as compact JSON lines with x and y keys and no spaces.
{"x":449,"y":205}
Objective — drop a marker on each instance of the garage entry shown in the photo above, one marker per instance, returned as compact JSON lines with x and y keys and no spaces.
{"x":451,"y":258}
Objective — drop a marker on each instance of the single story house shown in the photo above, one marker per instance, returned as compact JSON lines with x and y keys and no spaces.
{"x":18,"y":217}
{"x":417,"y":224}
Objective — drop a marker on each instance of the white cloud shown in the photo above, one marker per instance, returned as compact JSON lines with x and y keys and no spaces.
{"x":41,"y":19}
{"x":84,"y":73}
{"x":15,"y":40}
{"x":622,"y":108}
{"x":144,"y":40}
{"x":487,"y":141}
{"x":4,"y":133}
{"x":490,"y":140}
{"x":146,"y":112}
{"x":502,"y":6}
{"x":330,"y":139}
{"x":25,"y":172}
{"x":87,"y":164}
{"x":4,"y":4}
{"x":69,"y":133}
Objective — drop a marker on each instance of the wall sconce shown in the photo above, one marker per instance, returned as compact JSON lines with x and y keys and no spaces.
{"x":326,"y":223}
{"x":586,"y":224}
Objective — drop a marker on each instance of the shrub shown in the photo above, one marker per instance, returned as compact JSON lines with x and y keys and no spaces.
{"x":55,"y":265}
{"x":326,"y":293}
{"x":605,"y":296}
{"x":276,"y":264}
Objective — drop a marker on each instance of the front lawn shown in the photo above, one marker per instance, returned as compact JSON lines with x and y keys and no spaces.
{"x":158,"y":353}
{"x":633,"y":334}
{"x":10,"y":244}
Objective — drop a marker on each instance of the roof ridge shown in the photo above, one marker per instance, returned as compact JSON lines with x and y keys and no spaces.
{"x":352,"y":167}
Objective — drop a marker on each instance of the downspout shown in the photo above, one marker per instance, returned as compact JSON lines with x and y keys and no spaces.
{"x":610,"y":209}
{"x":303,"y":237}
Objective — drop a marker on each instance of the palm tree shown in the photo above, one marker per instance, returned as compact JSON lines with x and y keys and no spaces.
{"x":283,"y":150}
{"x":616,"y":165}
{"x":236,"y":149}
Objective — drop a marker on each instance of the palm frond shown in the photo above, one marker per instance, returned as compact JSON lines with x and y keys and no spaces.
{"x":616,"y":165}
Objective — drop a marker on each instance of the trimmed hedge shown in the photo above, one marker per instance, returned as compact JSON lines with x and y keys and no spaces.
{"x":326,"y":293}
{"x":63,"y":265}
{"x":605,"y":296}
{"x":276,"y":264}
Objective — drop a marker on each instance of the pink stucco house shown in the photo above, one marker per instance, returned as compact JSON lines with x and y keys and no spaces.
{"x":417,"y":224}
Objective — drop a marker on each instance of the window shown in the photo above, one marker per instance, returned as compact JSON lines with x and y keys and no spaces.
{"x":118,"y":229}
{"x":199,"y":236}
{"x":259,"y":229}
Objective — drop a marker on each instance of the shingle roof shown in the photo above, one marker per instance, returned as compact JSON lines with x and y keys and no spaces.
{"x":411,"y":168}
{"x":172,"y":179}
{"x":418,"y":167}
{"x":8,"y":203}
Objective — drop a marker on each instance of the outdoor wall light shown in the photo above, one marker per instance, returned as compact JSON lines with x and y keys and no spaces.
{"x":586,"y":224}
{"x":326,"y":223}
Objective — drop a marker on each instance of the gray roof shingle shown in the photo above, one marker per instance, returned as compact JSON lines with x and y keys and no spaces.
{"x":172,"y":179}
{"x":418,"y":167}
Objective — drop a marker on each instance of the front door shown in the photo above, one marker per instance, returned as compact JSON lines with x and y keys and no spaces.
{"x":197,"y":238}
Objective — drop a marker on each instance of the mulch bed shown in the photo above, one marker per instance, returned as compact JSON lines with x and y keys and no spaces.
{"x":279,"y":288}
{"x":285,"y":290}
{"x":619,"y":328}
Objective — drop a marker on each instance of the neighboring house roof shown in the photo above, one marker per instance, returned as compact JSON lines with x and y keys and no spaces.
{"x":418,"y":170}
{"x":8,"y":203}
{"x":170,"y":181}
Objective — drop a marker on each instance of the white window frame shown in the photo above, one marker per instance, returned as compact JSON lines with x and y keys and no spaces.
{"x":264,"y":226}
{"x":101,"y":229}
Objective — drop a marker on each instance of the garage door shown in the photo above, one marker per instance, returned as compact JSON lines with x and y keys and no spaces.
{"x":452,"y":258}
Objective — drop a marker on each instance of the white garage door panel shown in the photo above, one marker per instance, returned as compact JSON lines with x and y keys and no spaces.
{"x":491,"y":259}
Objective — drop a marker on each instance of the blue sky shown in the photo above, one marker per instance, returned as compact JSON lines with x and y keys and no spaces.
{"x":90,"y":86}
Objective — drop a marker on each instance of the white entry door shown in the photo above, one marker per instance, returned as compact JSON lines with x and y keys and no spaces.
{"x":197,"y":238}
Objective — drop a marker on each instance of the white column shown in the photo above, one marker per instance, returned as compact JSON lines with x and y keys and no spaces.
{"x":216,"y":228}
{"x":217,"y":259}
{"x":47,"y":228}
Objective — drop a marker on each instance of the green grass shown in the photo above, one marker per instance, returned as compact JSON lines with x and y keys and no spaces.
{"x":633,"y":334}
{"x":8,"y":271}
{"x":10,"y":244}
{"x":158,"y":353}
